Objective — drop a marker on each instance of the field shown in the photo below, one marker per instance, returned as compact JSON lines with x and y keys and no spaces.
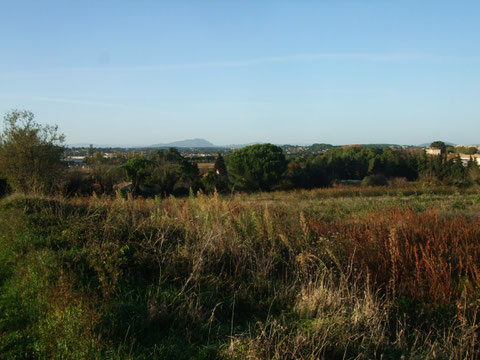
{"x":338,"y":273}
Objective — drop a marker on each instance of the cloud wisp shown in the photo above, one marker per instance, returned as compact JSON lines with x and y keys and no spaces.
{"x":73,"y":101}
{"x":296,"y":58}
{"x":284,"y":59}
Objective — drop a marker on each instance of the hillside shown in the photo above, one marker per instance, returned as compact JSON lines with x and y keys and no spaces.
{"x":189,"y":143}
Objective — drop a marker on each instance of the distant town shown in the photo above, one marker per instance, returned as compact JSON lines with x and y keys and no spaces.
{"x":78,"y":156}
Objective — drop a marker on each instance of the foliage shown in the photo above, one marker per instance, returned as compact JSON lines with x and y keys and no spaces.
{"x":439,"y":169}
{"x":4,"y":189}
{"x":470,"y":150}
{"x":220,"y":167}
{"x":216,"y":179}
{"x":374,"y":180}
{"x":30,"y":153}
{"x":77,"y":183}
{"x":256,"y":167}
{"x":137,"y":170}
{"x":305,"y":175}
{"x":344,"y":273}
{"x":355,"y":163}
{"x":107,"y":176}
{"x":473,"y":172}
{"x":171,"y":173}
{"x":439,"y":145}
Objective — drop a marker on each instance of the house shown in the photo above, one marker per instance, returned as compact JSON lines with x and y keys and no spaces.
{"x":433,"y":151}
{"x":466,"y":158}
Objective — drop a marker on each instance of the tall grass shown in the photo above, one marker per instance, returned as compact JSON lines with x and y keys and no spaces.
{"x":315,"y":274}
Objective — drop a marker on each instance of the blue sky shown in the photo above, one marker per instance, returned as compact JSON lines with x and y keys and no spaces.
{"x":340,"y":72}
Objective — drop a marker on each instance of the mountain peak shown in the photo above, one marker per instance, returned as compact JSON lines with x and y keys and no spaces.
{"x":189,"y":143}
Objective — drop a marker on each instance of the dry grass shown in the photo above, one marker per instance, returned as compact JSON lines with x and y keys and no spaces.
{"x":336,"y":273}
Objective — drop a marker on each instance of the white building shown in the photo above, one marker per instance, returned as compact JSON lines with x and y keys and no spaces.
{"x":433,"y":151}
{"x":466,"y":158}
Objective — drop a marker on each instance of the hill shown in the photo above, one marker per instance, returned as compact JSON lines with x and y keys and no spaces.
{"x":189,"y":143}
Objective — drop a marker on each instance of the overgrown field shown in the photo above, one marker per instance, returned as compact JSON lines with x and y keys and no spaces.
{"x":347,"y":273}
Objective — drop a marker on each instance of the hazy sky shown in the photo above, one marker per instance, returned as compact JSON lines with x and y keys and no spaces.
{"x":144,"y":72}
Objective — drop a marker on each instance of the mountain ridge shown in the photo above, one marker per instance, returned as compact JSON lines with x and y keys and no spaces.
{"x":188,"y":143}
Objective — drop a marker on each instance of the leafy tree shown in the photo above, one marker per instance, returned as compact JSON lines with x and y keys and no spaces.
{"x":216,"y":179}
{"x":209,"y":181}
{"x":256,"y":167}
{"x":305,"y":174}
{"x":473,"y":171}
{"x":220,"y":175}
{"x":439,"y":145}
{"x":107,"y":176}
{"x":457,"y":171}
{"x":469,"y":150}
{"x":220,"y":166}
{"x":172,"y":173}
{"x":137,"y":171}
{"x":31,"y":154}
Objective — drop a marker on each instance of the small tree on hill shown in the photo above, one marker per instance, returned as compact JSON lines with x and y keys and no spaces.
{"x":30,"y":153}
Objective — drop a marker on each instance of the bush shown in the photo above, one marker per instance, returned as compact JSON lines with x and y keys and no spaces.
{"x":30,"y":154}
{"x":4,"y":190}
{"x":374,"y":180}
{"x":76,"y":184}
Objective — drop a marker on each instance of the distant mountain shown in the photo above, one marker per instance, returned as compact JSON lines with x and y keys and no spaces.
{"x":428,"y":144}
{"x":190,"y":143}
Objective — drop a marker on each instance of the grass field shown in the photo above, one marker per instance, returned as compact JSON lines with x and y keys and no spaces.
{"x":339,"y":273}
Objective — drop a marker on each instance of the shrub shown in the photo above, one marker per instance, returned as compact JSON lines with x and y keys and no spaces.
{"x":30,"y":154}
{"x":374,"y":180}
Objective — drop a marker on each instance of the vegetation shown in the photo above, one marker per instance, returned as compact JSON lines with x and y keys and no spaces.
{"x":389,"y":269}
{"x":217,"y":178}
{"x":30,"y":154}
{"x":468,"y":150}
{"x":339,"y":273}
{"x":256,"y":167}
{"x":439,"y":145}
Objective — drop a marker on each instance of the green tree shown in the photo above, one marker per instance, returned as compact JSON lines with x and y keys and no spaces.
{"x":256,"y":167}
{"x":171,"y":173}
{"x":209,"y":181}
{"x":216,"y":178}
{"x":31,"y":154}
{"x":137,"y":171}
{"x":220,"y":166}
{"x":473,"y":171}
{"x":439,"y":145}
{"x":107,"y":176}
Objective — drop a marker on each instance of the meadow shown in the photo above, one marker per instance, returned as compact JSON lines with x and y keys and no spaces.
{"x":336,"y":273}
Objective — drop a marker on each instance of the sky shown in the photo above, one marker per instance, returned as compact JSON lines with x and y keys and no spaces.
{"x":233,"y":72}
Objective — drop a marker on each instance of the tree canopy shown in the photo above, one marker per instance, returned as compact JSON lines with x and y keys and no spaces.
{"x":30,"y":153}
{"x":439,"y":145}
{"x":256,"y":167}
{"x":137,"y":171}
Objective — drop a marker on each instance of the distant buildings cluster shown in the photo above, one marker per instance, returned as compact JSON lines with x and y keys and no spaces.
{"x":465,"y":158}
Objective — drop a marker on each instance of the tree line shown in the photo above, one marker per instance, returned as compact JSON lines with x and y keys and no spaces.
{"x":31,"y":161}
